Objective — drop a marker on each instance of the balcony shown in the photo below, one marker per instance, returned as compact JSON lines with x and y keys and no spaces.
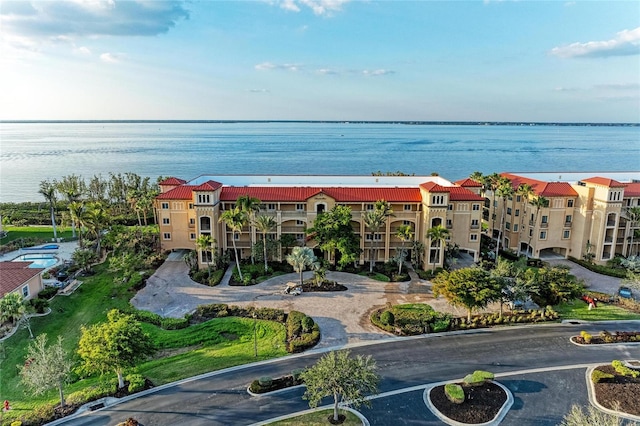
{"x":475,"y":226}
{"x":567,"y":224}
{"x":544,"y":225}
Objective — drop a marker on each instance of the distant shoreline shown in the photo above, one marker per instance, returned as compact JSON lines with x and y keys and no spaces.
{"x":408,"y":122}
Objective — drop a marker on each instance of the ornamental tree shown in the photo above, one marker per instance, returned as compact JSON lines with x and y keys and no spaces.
{"x":471,"y":287}
{"x":46,"y":367}
{"x":333,"y":232}
{"x":118,"y":344}
{"x":343,"y":377}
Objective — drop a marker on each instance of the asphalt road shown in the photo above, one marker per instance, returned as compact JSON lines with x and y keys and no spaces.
{"x":541,"y":398}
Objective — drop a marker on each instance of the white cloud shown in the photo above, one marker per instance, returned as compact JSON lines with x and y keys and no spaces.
{"x":112,"y":58}
{"x":326,"y":71}
{"x":376,"y":73}
{"x":565,"y":89}
{"x":626,"y":42}
{"x":319,"y":7}
{"x":268,"y":66}
{"x":259,"y":90}
{"x":82,"y":50}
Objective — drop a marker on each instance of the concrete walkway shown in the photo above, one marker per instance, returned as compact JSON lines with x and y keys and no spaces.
{"x":592,"y":280}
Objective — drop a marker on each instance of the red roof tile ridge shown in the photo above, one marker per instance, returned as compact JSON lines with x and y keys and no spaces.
{"x":608,"y":182}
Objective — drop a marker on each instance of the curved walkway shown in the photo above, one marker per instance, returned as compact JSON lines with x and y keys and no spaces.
{"x":342,"y":316}
{"x":593,"y":280}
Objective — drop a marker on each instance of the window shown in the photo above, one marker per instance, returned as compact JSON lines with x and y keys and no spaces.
{"x":474,"y":223}
{"x":299,"y":222}
{"x":236,"y":236}
{"x":407,"y":207}
{"x":475,"y":207}
{"x":545,"y":219}
{"x":299,"y":237}
{"x":300,"y":207}
{"x":192,"y":236}
{"x":517,"y":212}
{"x":449,"y":223}
{"x":437,"y":199}
{"x":376,"y":237}
{"x":204,"y":198}
{"x":192,"y":221}
{"x":165,"y":206}
{"x":569,"y":203}
{"x":508,"y":210}
{"x":473,"y":237}
{"x":515,"y":227}
{"x":518,"y":198}
{"x":25,"y":291}
{"x":567,"y":219}
{"x":543,"y":235}
{"x":166,"y":236}
{"x":369,"y":207}
{"x":566,"y":234}
{"x":406,"y":222}
{"x":271,"y":206}
{"x":165,"y":220}
{"x":450,"y":207}
{"x":531,"y":232}
{"x":190,"y":206}
{"x":508,"y":225}
{"x":495,"y":203}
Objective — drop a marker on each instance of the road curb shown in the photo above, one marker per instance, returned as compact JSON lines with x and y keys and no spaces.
{"x":592,"y":398}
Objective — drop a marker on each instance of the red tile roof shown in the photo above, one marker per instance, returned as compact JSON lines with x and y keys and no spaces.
{"x":468,"y":183}
{"x":543,"y":189}
{"x":14,"y":274}
{"x":173,"y":181}
{"x":457,"y":193}
{"x":433,"y":187}
{"x":610,"y":183}
{"x":210,"y":185}
{"x":632,"y":189}
{"x":340,"y":194}
{"x":182,"y":192}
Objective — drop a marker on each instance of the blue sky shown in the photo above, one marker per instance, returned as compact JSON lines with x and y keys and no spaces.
{"x":576,"y":61}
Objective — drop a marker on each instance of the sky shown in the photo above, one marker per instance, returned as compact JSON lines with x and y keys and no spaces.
{"x":544,"y":61}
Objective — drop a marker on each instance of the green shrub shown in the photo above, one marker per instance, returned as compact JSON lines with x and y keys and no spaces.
{"x":477,"y":378}
{"x":39,"y":305}
{"x":624,"y":370}
{"x":174,"y":323}
{"x":296,"y":373}
{"x":454,"y":393}
{"x":598,"y":376}
{"x":48,"y":292}
{"x":148,"y":317}
{"x":16,"y":423}
{"x":136,"y":382}
{"x":387,"y":318}
{"x":265,"y":381}
{"x":92,"y":393}
{"x":307,"y":324}
{"x":305,"y":341}
{"x":41,"y":414}
{"x":294,"y":324}
{"x":586,"y":337}
{"x":604,"y":270}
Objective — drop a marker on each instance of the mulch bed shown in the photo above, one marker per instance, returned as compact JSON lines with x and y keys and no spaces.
{"x":309,"y":287}
{"x":622,"y":390}
{"x":482,"y":403}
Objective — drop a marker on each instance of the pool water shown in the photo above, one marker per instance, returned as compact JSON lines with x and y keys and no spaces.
{"x":38,"y":260}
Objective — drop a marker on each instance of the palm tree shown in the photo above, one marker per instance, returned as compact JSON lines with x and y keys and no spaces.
{"x":490,"y":183}
{"x":48,"y":191}
{"x":405,"y":234}
{"x":436,"y":236}
{"x":524,"y":191}
{"x":538,"y":202}
{"x":96,"y":219}
{"x":235,"y":219}
{"x":76,"y":210}
{"x":504,"y":191}
{"x":633,"y":213}
{"x":373,"y":219}
{"x":204,"y":243}
{"x":300,"y":258}
{"x":133,"y":198}
{"x":71,"y":187}
{"x":265,"y":224}
{"x":249,"y":205}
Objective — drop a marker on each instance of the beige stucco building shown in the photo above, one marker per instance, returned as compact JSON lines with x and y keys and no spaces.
{"x":189,"y":209}
{"x":19,"y":278}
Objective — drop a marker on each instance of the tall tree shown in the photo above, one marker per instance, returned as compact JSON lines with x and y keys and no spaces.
{"x":437,"y":235}
{"x":344,"y":377}
{"x":265,"y":224}
{"x":333,"y":232}
{"x":525,"y":191}
{"x":490,"y":183}
{"x":48,"y":191}
{"x":405,"y":233}
{"x":250,"y":206}
{"x":235,"y":219}
{"x":286,"y":242}
{"x":537,"y":202}
{"x":117,"y":344}
{"x":46,"y":367}
{"x":373,"y":220}
{"x":76,"y":210}
{"x":301,"y":258}
{"x":204,"y":244}
{"x":505,"y":192}
{"x":633,"y":214}
{"x":472,"y":288}
{"x":96,"y":220}
{"x":71,"y":187}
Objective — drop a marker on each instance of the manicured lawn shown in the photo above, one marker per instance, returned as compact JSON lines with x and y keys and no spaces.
{"x":578,"y":309}
{"x":210,"y":346}
{"x":318,"y":418}
{"x":44,"y":233}
{"x":376,"y":276}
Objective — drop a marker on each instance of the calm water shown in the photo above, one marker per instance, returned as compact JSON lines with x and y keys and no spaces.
{"x":32,"y":152}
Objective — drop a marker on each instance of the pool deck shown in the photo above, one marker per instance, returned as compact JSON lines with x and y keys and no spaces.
{"x":64,"y":252}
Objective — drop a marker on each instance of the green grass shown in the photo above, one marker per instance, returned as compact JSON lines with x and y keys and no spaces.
{"x":213,"y":345}
{"x":375,"y":276}
{"x":318,"y":418}
{"x":578,"y":309}
{"x":31,"y":233}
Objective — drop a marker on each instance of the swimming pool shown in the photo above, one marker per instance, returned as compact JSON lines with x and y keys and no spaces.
{"x":38,"y":260}
{"x":45,"y":247}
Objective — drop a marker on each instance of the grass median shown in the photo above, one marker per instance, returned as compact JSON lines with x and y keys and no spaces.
{"x":578,"y":309}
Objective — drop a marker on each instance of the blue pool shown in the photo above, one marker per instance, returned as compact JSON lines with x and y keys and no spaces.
{"x":45,"y":247}
{"x":38,"y":260}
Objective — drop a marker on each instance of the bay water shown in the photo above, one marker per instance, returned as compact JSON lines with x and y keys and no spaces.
{"x":34,"y":151}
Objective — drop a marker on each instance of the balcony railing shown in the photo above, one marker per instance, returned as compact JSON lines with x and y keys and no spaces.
{"x":475,"y":226}
{"x":544,"y":225}
{"x":567,"y":224}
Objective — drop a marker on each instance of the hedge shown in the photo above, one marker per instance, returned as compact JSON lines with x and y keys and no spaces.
{"x":604,"y":270}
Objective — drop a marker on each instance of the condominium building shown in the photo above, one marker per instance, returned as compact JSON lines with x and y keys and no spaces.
{"x":582,"y":215}
{"x":188,"y":209}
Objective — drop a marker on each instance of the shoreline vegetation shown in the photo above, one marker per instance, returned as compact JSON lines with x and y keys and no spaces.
{"x":410,"y":122}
